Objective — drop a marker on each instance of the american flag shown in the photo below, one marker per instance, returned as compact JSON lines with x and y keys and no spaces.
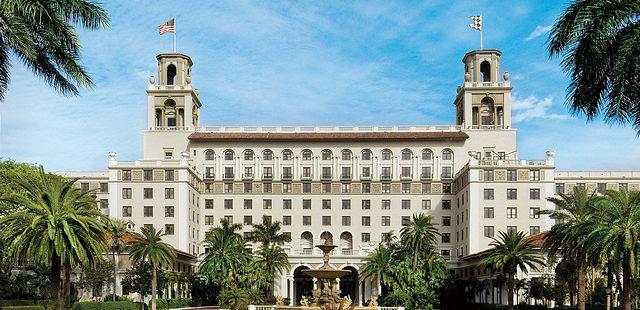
{"x":477,"y":22}
{"x":169,"y":26}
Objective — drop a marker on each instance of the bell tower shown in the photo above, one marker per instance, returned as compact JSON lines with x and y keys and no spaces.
{"x":172,"y":103}
{"x":484,"y":100}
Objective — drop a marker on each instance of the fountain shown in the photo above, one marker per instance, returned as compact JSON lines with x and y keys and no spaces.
{"x":326,"y":295}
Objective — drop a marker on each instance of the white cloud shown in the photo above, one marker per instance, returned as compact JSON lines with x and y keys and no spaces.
{"x":540,"y":30}
{"x":532,"y":107}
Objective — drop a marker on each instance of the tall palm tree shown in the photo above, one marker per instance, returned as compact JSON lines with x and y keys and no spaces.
{"x":567,"y":237}
{"x":274,"y":259}
{"x":42,"y":35}
{"x":55,"y":222}
{"x":149,"y":246}
{"x":117,"y":230}
{"x":378,"y":264}
{"x":509,"y":252}
{"x":420,"y":235}
{"x":600,"y":41}
{"x":268,"y":232}
{"x":226,"y":252}
{"x":616,"y":229}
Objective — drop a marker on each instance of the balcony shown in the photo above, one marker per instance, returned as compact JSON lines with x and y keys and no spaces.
{"x":326,"y":176}
{"x":348,"y":252}
{"x":385,"y":176}
{"x":365,"y":176}
{"x":228,"y":176}
{"x":406,"y":177}
{"x":306,"y":252}
{"x":345,"y":176}
{"x":287,"y":176}
{"x":247,"y":176}
{"x":267,"y":176}
{"x":426,"y":176}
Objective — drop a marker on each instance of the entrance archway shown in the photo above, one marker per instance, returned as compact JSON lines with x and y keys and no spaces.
{"x":303,"y":285}
{"x":349,"y":285}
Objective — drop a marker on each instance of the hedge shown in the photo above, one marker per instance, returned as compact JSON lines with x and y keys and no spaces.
{"x":23,"y":302}
{"x":105,"y":305}
{"x":173,"y":303}
{"x":23,"y":308}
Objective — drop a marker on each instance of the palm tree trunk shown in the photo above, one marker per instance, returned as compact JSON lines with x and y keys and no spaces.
{"x":55,"y":281}
{"x":626,"y":282}
{"x":115,"y":274}
{"x":510,"y":291}
{"x":582,"y":286}
{"x":154,"y":286}
{"x":66,"y":285}
{"x":415,"y":257}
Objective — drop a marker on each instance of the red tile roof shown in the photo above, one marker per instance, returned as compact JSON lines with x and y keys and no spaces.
{"x":330,"y":136}
{"x":537,"y":240}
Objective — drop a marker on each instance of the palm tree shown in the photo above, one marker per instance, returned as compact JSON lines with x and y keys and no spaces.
{"x":149,"y":246}
{"x":567,"y":236}
{"x":509,"y":252}
{"x":378,"y":264}
{"x":55,"y":222}
{"x":600,"y":43}
{"x":117,"y":230}
{"x":615,"y":229}
{"x":226,"y":252}
{"x":420,"y":235}
{"x":268,"y":232}
{"x":42,"y":36}
{"x":274,"y":259}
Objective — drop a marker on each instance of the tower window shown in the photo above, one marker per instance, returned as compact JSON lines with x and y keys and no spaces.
{"x":171,"y":74}
{"x":485,"y":70}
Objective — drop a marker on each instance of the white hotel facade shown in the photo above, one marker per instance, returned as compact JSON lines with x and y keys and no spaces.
{"x":351,"y":185}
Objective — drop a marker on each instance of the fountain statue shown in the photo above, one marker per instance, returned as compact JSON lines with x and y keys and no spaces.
{"x":326,"y":294}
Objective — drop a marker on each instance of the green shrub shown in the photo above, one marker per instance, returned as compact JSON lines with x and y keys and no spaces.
{"x":239,"y":298}
{"x":23,"y":308}
{"x":174,"y":303}
{"x":105,"y":305}
{"x":17,"y":302}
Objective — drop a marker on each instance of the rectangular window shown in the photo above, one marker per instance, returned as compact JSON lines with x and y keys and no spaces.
{"x":326,"y":172}
{"x":346,"y":188}
{"x":248,"y":220}
{"x":169,"y":175}
{"x":446,"y":221}
{"x":366,"y":204}
{"x":228,"y":204}
{"x":405,"y":172}
{"x":84,"y":186}
{"x":169,"y":193}
{"x":286,"y":204}
{"x":366,"y":172}
{"x":326,"y":204}
{"x":147,"y":175}
{"x":229,"y":218}
{"x":580,"y":186}
{"x":534,"y":213}
{"x":169,"y":229}
{"x":386,"y":188}
{"x":208,"y":219}
{"x":534,"y":194}
{"x":426,"y":173}
{"x":267,"y":172}
{"x":446,"y":172}
{"x":488,"y":194}
{"x":228,"y":173}
{"x":386,"y":204}
{"x":512,"y":212}
{"x":346,"y":204}
{"x":126,"y":211}
{"x":602,"y":187}
{"x":386,"y":220}
{"x":306,"y":220}
{"x":126,"y":175}
{"x":247,"y":187}
{"x":446,"y":188}
{"x":623,"y":186}
{"x":306,"y":172}
{"x":426,"y":204}
{"x":366,"y":237}
{"x":534,"y":175}
{"x":488,"y":175}
{"x":104,"y":203}
{"x":208,"y":203}
{"x":489,"y":231}
{"x":169,"y":211}
{"x":559,"y":188}
{"x":406,"y":204}
{"x":148,"y":211}
{"x":286,"y":187}
{"x":512,"y":193}
{"x":426,"y":188}
{"x":267,"y":203}
{"x":286,"y":172}
{"x":512,"y":229}
{"x":406,"y":188}
{"x":326,"y":220}
{"x":386,"y":173}
{"x":306,"y":187}
{"x":346,"y":221}
{"x":286,"y":220}
{"x":104,"y":187}
{"x":445,"y":238}
{"x":267,"y":188}
{"x":488,"y":212}
{"x":228,"y":187}
{"x":406,"y":220}
{"x":366,"y":221}
{"x":126,"y":193}
{"x":366,"y":188}
{"x":306,"y":204}
{"x":326,"y":188}
{"x":346,"y":173}
{"x":534,"y":230}
{"x":446,"y":204}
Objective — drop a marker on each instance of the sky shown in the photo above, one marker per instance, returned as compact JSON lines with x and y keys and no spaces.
{"x":306,"y":63}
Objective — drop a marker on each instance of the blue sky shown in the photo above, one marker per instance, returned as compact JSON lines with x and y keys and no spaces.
{"x":306,"y":63}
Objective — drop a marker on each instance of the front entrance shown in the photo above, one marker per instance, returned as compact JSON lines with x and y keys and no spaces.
{"x":349,"y":285}
{"x":303,"y":285}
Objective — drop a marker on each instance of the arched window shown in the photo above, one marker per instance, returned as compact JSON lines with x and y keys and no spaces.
{"x":447,"y":154}
{"x":386,"y":154}
{"x":326,"y":237}
{"x":407,"y":154}
{"x":427,"y":154}
{"x":306,"y":240}
{"x":366,"y":154}
{"x":287,"y":155}
{"x":248,"y":155}
{"x":486,"y":111}
{"x":209,"y":155}
{"x":485,"y":70}
{"x":326,"y":154}
{"x":307,"y":154}
{"x":346,"y":154}
{"x":267,"y":155}
{"x":171,"y":74}
{"x":228,"y":155}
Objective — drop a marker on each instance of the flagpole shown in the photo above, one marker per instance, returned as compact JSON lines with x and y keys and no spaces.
{"x":481,"y":27}
{"x":174,"y":35}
